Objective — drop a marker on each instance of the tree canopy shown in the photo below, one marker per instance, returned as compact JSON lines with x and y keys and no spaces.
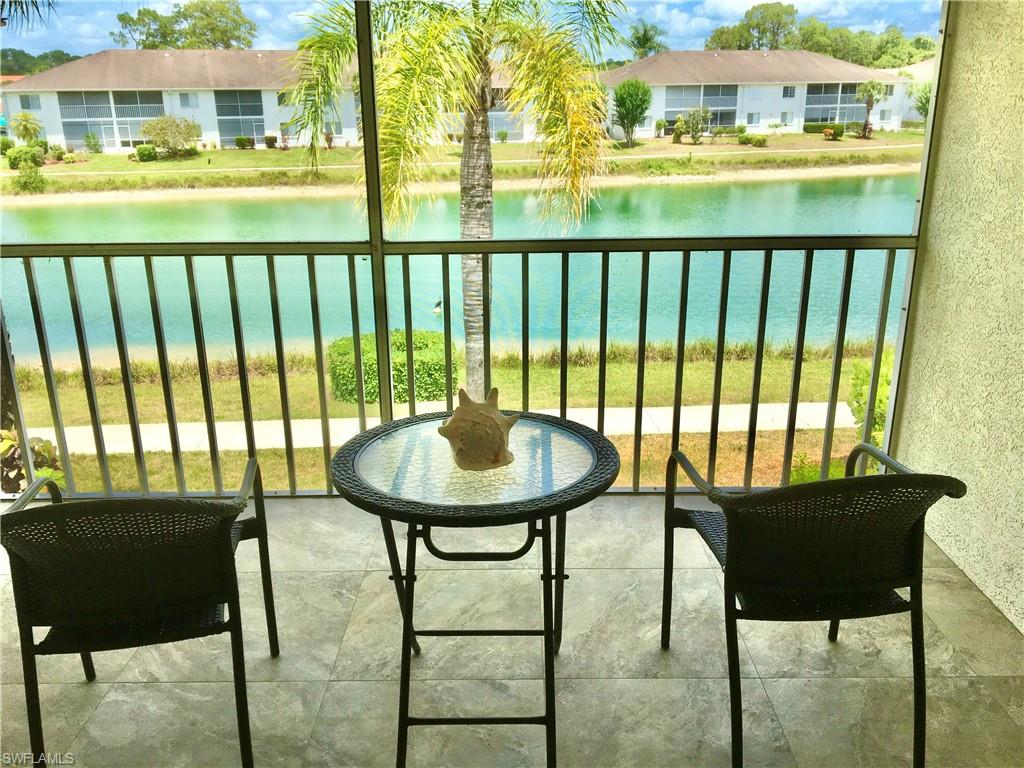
{"x":630,"y":101}
{"x":774,"y":26}
{"x":14,"y":61}
{"x":646,"y":39}
{"x":196,"y":24}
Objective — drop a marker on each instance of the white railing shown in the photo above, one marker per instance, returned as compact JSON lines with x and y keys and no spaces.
{"x":136,"y":111}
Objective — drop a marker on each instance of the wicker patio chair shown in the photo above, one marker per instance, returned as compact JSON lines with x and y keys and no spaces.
{"x":118,"y":573}
{"x":829,"y":550}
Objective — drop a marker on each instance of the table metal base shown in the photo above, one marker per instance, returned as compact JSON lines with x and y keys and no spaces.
{"x":552,"y":584}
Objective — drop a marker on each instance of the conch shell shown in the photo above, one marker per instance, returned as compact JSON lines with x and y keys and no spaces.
{"x":478,"y":433}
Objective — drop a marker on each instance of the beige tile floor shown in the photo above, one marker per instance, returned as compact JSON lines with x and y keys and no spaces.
{"x":331,"y":698}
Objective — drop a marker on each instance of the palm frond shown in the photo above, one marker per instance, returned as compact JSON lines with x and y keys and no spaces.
{"x":427,"y":71}
{"x":554,"y":82}
{"x":324,"y":64}
{"x":591,"y":22}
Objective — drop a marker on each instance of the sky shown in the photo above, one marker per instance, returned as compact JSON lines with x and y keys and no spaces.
{"x":84,"y":26}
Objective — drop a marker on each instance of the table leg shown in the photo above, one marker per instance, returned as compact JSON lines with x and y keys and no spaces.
{"x":550,"y":643}
{"x":408,"y":639}
{"x":396,"y":571}
{"x":559,"y":576}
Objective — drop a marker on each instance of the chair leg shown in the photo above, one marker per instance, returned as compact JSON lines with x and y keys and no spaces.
{"x":35,"y":716}
{"x":735,"y":696}
{"x":666,"y":585}
{"x":917,"y":642}
{"x":241,"y":695}
{"x":90,"y":670}
{"x":833,"y":630}
{"x":268,"y":585}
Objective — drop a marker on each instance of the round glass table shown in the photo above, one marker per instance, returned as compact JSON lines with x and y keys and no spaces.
{"x":404,"y":471}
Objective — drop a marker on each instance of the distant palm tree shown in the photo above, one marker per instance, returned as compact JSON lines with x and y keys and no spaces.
{"x":436,"y":58}
{"x":646,"y":39}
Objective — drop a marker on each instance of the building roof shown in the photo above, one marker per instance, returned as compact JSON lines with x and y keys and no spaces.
{"x":5,"y":79}
{"x":166,"y":70}
{"x":922,"y":71}
{"x":720,"y":67}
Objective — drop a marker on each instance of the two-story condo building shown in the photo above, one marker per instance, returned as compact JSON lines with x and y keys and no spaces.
{"x":763,"y":90}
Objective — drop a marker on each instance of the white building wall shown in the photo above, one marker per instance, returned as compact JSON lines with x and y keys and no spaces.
{"x":48,"y":114}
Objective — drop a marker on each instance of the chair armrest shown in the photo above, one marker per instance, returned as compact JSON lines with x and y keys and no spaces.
{"x":878,"y":455}
{"x":678,"y":458}
{"x":33,"y":490}
{"x":252,"y":481}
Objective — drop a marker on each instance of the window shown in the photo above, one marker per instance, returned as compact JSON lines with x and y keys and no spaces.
{"x":81,"y":105}
{"x":787,"y":118}
{"x":890,"y":90}
{"x":753,"y":118}
{"x":681,"y":98}
{"x":188,"y":100}
{"x":885,"y":115}
{"x":788,"y":91}
{"x":29,"y":101}
{"x":239,"y":113}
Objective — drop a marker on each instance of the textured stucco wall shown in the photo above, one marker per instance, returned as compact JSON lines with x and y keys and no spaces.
{"x":961,"y":407}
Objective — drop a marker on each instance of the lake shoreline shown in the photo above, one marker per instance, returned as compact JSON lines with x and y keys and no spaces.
{"x":451,"y":187}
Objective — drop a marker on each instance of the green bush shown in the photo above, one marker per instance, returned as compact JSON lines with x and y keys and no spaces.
{"x":29,"y":180}
{"x":56,"y":153}
{"x":659,"y":127}
{"x":757,"y":141}
{"x":819,"y":127}
{"x":678,"y":130}
{"x":860,"y":380}
{"x":6,"y":142}
{"x":806,"y":471}
{"x":270,"y":141}
{"x":503,"y":136}
{"x":19,"y":156}
{"x":428,"y":367}
{"x":92,"y":143}
{"x":241,"y":142}
{"x":70,"y":158}
{"x":43,"y":144}
{"x":744,"y":139}
{"x":146,"y":153}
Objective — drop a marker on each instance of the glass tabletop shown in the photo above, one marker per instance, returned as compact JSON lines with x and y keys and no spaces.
{"x":415,"y":463}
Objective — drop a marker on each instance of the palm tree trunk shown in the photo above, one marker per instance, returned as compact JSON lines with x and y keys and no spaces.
{"x":476,"y":220}
{"x":869,"y":104}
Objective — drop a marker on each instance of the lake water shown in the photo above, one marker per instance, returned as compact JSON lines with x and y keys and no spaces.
{"x":882,"y":205}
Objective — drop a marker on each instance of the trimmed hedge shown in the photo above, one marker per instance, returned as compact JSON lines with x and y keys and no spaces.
{"x":428,"y":367}
{"x":819,"y":127}
{"x":22,"y":156}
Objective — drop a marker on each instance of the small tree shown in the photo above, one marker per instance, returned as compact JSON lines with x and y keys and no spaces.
{"x":697,"y":122}
{"x":92,"y":143}
{"x":922,"y":96}
{"x":26,"y":126}
{"x":659,"y":127}
{"x":678,"y":130}
{"x":631,"y":100}
{"x":869,"y":93}
{"x":171,"y":134}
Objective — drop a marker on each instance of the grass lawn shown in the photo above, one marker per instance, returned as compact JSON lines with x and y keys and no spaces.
{"x":659,"y":378}
{"x":310,"y":468}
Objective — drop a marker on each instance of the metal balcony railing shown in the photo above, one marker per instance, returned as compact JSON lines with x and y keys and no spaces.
{"x":331,"y":277}
{"x":78,"y":112}
{"x":137,"y":111}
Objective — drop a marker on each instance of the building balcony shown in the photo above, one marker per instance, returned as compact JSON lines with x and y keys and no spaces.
{"x":76,"y":112}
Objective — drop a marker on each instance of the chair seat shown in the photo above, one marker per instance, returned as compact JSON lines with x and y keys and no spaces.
{"x":710,"y":526}
{"x":109,"y":637}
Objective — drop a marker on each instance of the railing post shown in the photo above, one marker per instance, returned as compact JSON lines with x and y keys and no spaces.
{"x":374,"y":206}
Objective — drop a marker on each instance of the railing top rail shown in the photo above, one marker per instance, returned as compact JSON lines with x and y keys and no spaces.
{"x":411,"y":247}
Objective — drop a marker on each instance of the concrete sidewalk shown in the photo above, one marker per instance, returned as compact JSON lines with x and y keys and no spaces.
{"x":306,"y":433}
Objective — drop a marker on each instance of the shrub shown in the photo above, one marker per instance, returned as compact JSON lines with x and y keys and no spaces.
{"x":270,"y":141}
{"x":838,"y":131}
{"x":19,"y":156}
{"x":29,"y":180}
{"x":678,"y":130}
{"x":6,"y":142}
{"x":329,"y":139}
{"x":659,"y":127}
{"x":697,"y":122}
{"x":70,"y":158}
{"x":146,"y":153}
{"x":757,"y":141}
{"x":740,"y":129}
{"x":860,"y":380}
{"x":44,"y":460}
{"x":43,"y":144}
{"x":428,"y":367}
{"x":502,"y":136}
{"x":172,"y":135}
{"x":241,"y":142}
{"x":820,"y":127}
{"x":93,"y":144}
{"x":744,"y":139}
{"x":56,"y":153}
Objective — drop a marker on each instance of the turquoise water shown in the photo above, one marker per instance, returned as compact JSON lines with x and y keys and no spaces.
{"x":881,"y":205}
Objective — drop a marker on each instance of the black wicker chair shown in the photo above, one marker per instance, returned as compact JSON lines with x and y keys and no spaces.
{"x":118,"y":573}
{"x":830,"y":550}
